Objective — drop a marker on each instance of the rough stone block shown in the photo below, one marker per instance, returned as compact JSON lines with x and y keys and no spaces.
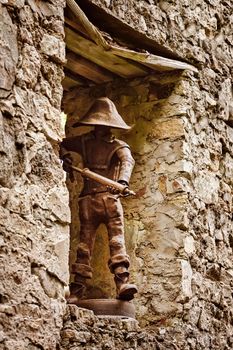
{"x":207,"y":186}
{"x":186,"y":279}
{"x":29,"y":68}
{"x":53,"y":48}
{"x":168,"y":129}
{"x":9,"y":52}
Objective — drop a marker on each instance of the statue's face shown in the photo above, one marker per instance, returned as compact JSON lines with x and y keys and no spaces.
{"x":102,"y":130}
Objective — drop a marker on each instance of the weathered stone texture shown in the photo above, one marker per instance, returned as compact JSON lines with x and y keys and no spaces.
{"x":34,"y":211}
{"x":83,"y":330}
{"x":179,"y":229}
{"x":9,"y":52}
{"x":209,"y":148}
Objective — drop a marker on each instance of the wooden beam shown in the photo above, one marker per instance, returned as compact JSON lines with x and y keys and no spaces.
{"x":89,"y":27}
{"x":71,"y":80}
{"x":75,"y":26}
{"x":87,"y":69}
{"x":152,"y":61}
{"x":101,"y":57}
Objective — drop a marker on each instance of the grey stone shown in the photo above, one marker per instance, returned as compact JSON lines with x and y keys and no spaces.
{"x":54,"y":48}
{"x":9,"y":52}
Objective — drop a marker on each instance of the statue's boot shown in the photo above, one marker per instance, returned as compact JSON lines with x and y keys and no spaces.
{"x":77,"y":289}
{"x":125,"y":290}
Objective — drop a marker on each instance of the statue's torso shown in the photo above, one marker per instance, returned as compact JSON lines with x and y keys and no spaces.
{"x":100,"y":156}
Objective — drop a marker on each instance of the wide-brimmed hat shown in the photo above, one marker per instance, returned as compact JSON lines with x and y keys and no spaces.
{"x":103,"y":112}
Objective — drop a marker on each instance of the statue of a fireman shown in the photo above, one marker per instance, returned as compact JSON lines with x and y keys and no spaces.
{"x":103,"y":154}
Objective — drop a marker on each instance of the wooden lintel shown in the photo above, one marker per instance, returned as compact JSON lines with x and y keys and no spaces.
{"x":87,"y":69}
{"x":101,"y":57}
{"x":152,"y":61}
{"x":76,"y":26}
{"x":91,"y":30}
{"x":71,"y":79}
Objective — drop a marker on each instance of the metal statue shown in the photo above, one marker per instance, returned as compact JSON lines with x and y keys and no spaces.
{"x":108,"y":166}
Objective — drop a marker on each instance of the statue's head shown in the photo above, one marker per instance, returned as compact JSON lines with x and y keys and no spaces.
{"x":103,"y":112}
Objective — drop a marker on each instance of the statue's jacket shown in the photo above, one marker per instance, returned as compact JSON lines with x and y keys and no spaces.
{"x":107,"y":156}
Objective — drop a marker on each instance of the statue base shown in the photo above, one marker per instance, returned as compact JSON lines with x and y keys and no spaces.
{"x":106,"y":307}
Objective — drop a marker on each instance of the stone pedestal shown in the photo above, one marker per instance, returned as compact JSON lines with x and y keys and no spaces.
{"x":107,"y":307}
{"x":83,"y":330}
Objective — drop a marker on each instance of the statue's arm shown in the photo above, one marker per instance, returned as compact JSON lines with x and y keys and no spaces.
{"x":71,"y":144}
{"x":127,"y":164}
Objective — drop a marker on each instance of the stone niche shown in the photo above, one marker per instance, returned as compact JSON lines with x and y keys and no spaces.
{"x":155,"y":223}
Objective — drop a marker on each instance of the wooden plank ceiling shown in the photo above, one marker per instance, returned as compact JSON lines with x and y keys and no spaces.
{"x":93,"y":59}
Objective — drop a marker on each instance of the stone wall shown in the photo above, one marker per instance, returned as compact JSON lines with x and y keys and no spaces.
{"x":34,"y":202}
{"x":209,"y":136}
{"x":179,"y":236}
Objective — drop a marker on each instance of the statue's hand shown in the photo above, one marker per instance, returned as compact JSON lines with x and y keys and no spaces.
{"x":116,"y":191}
{"x":67,"y":162}
{"x":113,"y":190}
